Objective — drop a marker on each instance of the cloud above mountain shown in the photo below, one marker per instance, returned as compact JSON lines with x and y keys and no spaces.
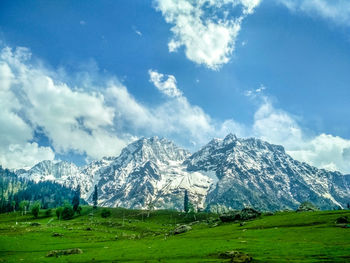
{"x":337,"y":11}
{"x":32,"y":99}
{"x":205,"y":28}
{"x":100,"y":120}
{"x":280,"y":127}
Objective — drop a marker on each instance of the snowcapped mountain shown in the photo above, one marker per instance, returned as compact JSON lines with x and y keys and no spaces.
{"x":254,"y":173}
{"x":230,"y":173}
{"x":64,"y":173}
{"x":149,"y":173}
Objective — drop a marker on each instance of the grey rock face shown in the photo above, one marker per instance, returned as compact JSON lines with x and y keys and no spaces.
{"x":229,"y":173}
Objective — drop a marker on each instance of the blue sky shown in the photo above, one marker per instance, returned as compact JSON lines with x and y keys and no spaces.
{"x":81,"y":79}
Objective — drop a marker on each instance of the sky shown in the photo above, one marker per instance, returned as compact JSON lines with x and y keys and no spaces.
{"x":80,"y":80}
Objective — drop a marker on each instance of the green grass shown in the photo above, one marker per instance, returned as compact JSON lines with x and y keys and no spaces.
{"x":283,"y":237}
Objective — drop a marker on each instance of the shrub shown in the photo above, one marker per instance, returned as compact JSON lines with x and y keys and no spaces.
{"x":48,"y":212}
{"x":105,"y":213}
{"x":59,"y":212}
{"x":35,"y":209}
{"x":67,"y":212}
{"x":342,"y":220}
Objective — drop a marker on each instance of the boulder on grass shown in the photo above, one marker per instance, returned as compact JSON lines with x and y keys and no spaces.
{"x":182,"y":229}
{"x":57,"y":235}
{"x":244,"y":214}
{"x":236,"y":256}
{"x":307,"y":206}
{"x":64,"y":252}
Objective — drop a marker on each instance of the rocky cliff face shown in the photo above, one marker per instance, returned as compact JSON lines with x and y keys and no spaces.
{"x":255,"y":173}
{"x":230,"y":172}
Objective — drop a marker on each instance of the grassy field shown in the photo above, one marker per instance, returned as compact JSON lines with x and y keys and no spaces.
{"x":131,"y":236}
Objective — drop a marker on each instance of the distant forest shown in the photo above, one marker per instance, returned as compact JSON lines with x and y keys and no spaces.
{"x":14,"y":190}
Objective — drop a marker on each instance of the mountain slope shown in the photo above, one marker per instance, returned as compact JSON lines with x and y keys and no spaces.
{"x":255,"y":173}
{"x":64,"y":173}
{"x":149,"y":173}
{"x":229,"y":173}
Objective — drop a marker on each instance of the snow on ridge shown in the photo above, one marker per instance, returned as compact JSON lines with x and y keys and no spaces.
{"x":230,"y":172}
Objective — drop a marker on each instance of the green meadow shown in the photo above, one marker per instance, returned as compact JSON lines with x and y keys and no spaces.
{"x":135,"y":236}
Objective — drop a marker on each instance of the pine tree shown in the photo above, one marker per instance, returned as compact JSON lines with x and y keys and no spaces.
{"x":186,"y":202}
{"x":95,"y":197}
{"x":348,"y":205}
{"x":76,"y":199}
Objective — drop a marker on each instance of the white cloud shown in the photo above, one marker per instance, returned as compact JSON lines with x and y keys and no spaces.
{"x":24,"y":155}
{"x":337,"y":11}
{"x":138,"y":32}
{"x":102,"y":122}
{"x":276,"y":126}
{"x":325,"y":151}
{"x":168,"y":86}
{"x":173,"y":118}
{"x":256,"y":92}
{"x":208,"y":36}
{"x":279,"y":127}
{"x":31,"y":99}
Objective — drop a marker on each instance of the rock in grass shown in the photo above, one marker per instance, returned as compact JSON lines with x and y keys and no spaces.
{"x":88,"y":229}
{"x":193,"y":223}
{"x":57,"y":235}
{"x":64,"y":252}
{"x":244,"y":214}
{"x":182,"y":229}
{"x":307,"y":206}
{"x":236,"y":256}
{"x":35,"y":224}
{"x":342,"y":220}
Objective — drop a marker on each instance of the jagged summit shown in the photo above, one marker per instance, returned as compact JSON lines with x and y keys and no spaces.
{"x":231,"y":172}
{"x":153,"y":149}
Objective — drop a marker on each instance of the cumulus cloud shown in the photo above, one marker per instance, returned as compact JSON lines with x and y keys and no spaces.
{"x":205,"y":28}
{"x":168,"y":86}
{"x":101,"y":122}
{"x":275,"y":125}
{"x":325,"y":151}
{"x":175,"y":117}
{"x":96,"y":121}
{"x":279,"y":127}
{"x":337,"y":11}
{"x":31,"y":99}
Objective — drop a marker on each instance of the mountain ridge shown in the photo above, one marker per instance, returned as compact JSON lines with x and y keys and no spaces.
{"x":229,"y":173}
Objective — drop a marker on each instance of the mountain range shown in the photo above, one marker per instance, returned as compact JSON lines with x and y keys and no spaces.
{"x":229,"y":173}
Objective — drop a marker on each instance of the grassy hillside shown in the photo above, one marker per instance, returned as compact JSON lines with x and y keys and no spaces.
{"x":129,"y":235}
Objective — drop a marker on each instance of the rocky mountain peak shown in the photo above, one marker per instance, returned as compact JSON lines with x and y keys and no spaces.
{"x":154,"y":149}
{"x":230,"y":172}
{"x":230,"y":138}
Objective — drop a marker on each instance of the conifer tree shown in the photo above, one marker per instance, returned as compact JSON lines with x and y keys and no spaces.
{"x":95,"y":197}
{"x":186,"y":202}
{"x":76,"y":199}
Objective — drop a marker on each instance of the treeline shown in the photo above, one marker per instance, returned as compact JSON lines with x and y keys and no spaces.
{"x":14,"y":190}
